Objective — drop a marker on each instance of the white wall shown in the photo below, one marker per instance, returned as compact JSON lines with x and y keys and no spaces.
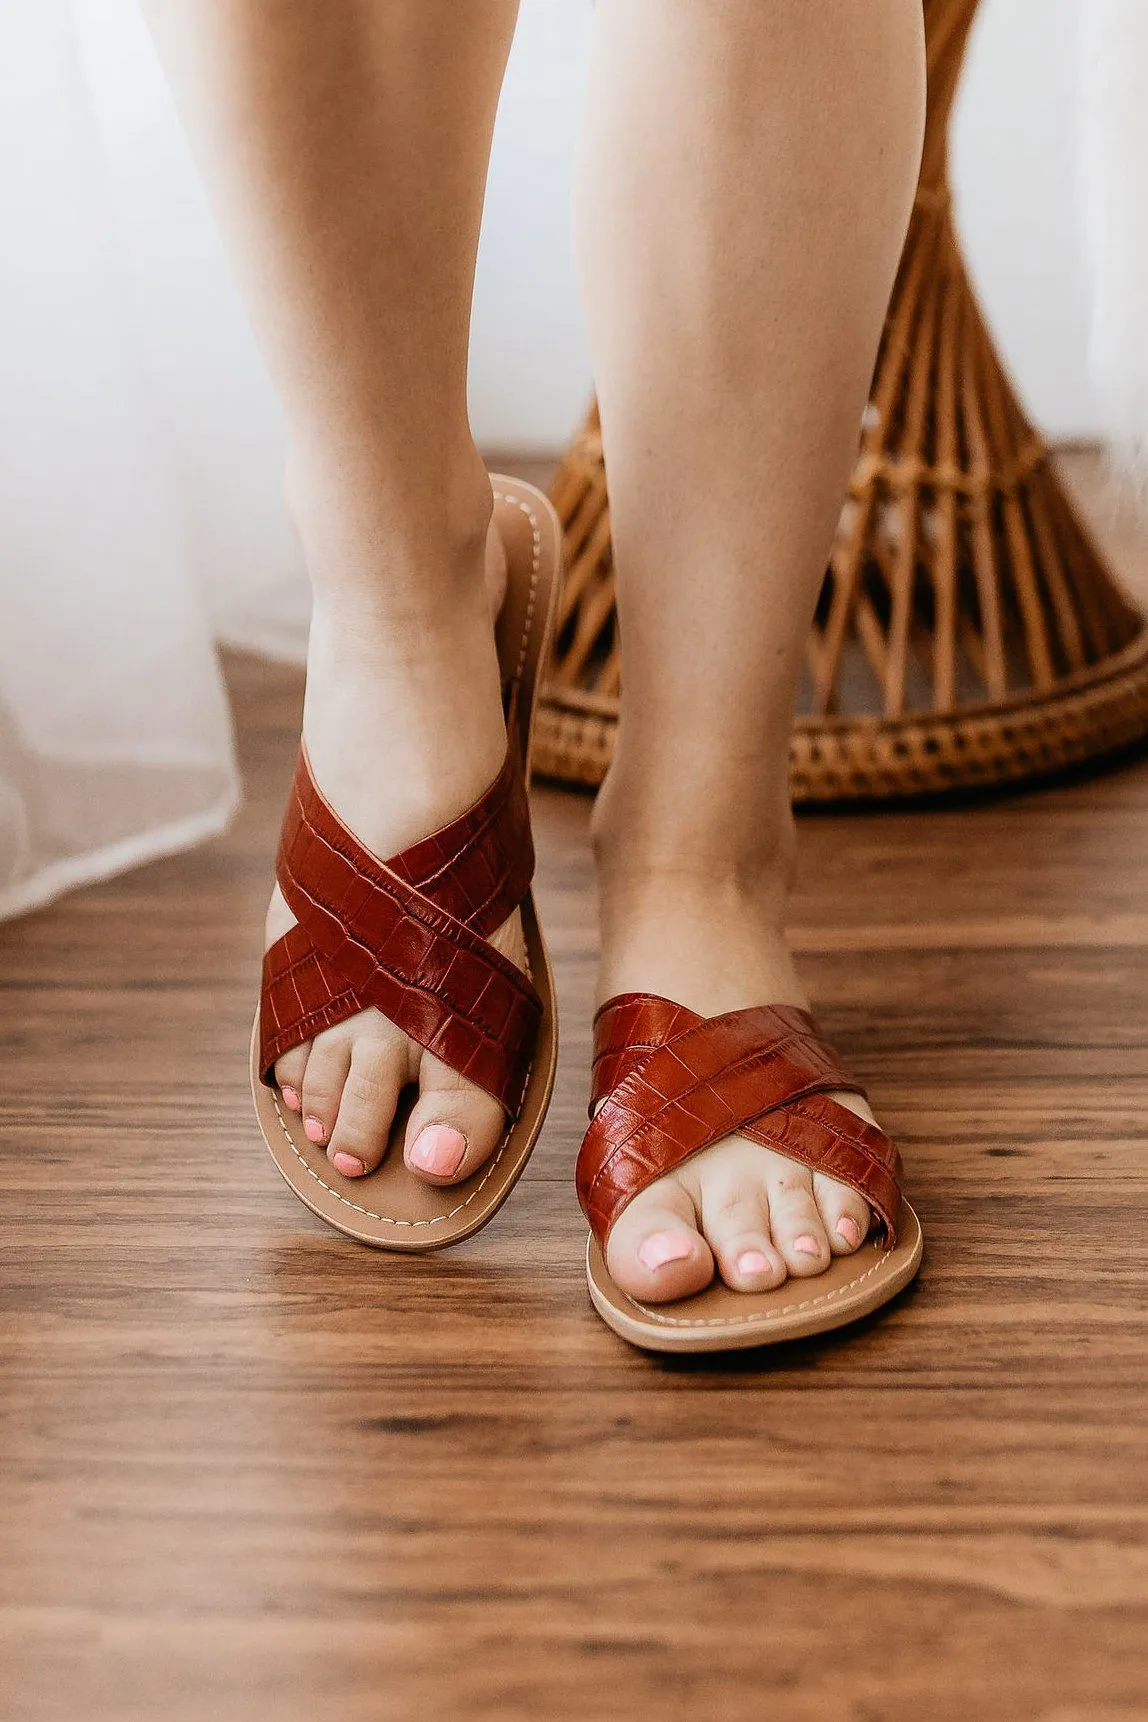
{"x":530,"y":371}
{"x":1018,"y":205}
{"x":1014,"y":143}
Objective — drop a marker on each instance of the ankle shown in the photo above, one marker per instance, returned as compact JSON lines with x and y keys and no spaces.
{"x":694,"y":911}
{"x":403,"y":717}
{"x":381,"y":548}
{"x":710,"y":944}
{"x":745,"y":852}
{"x":401,"y":660}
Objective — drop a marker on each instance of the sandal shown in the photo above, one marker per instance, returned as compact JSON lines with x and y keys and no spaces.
{"x":668,"y":1083}
{"x":409,"y":936}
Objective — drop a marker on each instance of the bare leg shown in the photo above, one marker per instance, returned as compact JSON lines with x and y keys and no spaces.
{"x":346,"y":145}
{"x":747,"y":175}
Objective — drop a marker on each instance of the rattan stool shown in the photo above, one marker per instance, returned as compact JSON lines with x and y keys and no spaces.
{"x":968,"y":631}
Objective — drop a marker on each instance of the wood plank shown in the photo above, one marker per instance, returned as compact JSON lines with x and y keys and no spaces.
{"x":249,"y":1470}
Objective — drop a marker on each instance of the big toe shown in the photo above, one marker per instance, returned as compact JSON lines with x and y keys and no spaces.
{"x":454,"y":1126}
{"x":655,"y":1251}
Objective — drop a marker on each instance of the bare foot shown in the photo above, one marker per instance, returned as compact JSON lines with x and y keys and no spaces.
{"x":404,"y":728}
{"x":742,"y":1211}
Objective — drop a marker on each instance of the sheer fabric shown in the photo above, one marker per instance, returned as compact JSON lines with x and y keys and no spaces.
{"x":141,"y":498}
{"x":130,"y":538}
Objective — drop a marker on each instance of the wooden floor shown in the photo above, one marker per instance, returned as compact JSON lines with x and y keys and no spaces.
{"x":252,"y":1472}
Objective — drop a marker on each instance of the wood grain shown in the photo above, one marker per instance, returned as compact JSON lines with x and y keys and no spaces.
{"x":252,"y":1471}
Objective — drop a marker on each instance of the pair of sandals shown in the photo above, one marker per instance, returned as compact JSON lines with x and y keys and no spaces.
{"x":410,"y":937}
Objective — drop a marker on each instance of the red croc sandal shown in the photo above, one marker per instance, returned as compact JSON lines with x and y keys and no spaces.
{"x":668,"y":1083}
{"x":409,"y":936}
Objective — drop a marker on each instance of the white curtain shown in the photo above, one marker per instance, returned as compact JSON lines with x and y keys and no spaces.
{"x":141,"y":448}
{"x":132,"y":535}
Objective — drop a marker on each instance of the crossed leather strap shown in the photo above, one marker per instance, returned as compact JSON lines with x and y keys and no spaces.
{"x":671,"y":1083}
{"x":408,"y":936}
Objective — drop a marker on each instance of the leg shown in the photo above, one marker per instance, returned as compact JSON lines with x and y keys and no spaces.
{"x":346,"y":147}
{"x":747,"y":175}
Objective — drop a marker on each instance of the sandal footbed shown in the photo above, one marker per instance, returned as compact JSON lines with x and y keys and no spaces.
{"x":391,"y":1208}
{"x":718,"y":1319}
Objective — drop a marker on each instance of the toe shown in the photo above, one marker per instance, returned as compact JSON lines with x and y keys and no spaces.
{"x":366,"y":1113}
{"x":454,"y":1127}
{"x":323,"y":1081}
{"x":735,"y":1220}
{"x":844,"y":1214}
{"x":795,"y":1222}
{"x":289,"y":1073}
{"x":655,"y":1251}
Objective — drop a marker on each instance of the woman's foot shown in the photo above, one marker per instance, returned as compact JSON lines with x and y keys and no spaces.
{"x":404,"y":728}
{"x":737,"y":1210}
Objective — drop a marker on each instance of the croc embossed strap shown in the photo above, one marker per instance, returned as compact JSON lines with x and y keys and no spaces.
{"x":670,"y":1083}
{"x":408,"y":936}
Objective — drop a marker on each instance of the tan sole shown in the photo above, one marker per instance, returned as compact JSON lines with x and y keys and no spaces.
{"x":392,"y":1209}
{"x":719,"y":1319}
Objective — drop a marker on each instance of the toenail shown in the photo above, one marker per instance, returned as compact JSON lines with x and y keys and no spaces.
{"x":348,"y":1164}
{"x":313,"y":1129}
{"x":438,"y":1148}
{"x":291,"y":1099}
{"x":664,"y":1247}
{"x":807,"y":1245}
{"x":752,"y":1262}
{"x":849,"y":1230}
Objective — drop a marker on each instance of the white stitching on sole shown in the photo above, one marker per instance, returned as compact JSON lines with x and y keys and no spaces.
{"x":389,"y":1219}
{"x":490,"y":1165}
{"x":536,"y":564}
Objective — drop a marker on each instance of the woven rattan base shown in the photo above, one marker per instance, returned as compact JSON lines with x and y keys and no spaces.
{"x":1101,"y":711}
{"x":968,"y":632}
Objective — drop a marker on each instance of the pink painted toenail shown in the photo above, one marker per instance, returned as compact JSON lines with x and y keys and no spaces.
{"x":348,"y":1164}
{"x":439,"y":1149}
{"x":291,"y":1099}
{"x":664,"y":1247}
{"x":753,"y":1262}
{"x":848,"y":1229}
{"x":313,"y":1130}
{"x":806,"y":1245}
